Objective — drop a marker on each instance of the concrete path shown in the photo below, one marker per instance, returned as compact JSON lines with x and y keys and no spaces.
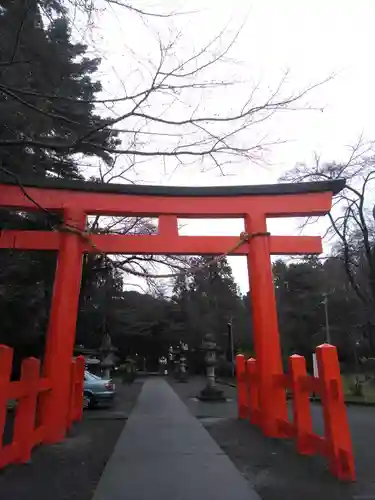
{"x":164,"y":453}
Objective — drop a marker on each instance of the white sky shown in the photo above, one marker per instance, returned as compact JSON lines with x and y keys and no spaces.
{"x":313,"y":39}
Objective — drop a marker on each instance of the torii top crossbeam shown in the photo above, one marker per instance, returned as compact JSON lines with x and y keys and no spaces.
{"x":77,"y":200}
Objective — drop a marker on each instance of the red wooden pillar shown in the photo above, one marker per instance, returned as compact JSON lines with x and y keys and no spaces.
{"x":242,"y":399}
{"x":253,"y":390}
{"x":272,"y":399}
{"x":62,"y":328}
{"x":24,"y":423}
{"x":301,"y":404}
{"x":337,"y":431}
{"x":6,"y":358}
{"x":78,"y":389}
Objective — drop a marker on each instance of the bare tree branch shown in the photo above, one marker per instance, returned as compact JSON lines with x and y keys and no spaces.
{"x":349,"y":220}
{"x":197,"y":134}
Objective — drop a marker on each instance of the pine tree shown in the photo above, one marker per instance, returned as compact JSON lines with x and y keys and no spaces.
{"x":46,"y":90}
{"x":46,"y":93}
{"x":209,"y":299}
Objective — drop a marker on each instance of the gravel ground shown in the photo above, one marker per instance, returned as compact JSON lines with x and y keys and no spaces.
{"x":70,"y":470}
{"x":272,"y":466}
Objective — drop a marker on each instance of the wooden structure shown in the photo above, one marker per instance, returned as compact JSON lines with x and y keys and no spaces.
{"x":336,"y":444}
{"x":75,"y":201}
{"x":29,"y":426}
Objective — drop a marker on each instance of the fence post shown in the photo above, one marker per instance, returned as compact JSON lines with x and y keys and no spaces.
{"x":79,"y":374}
{"x":6,"y":358}
{"x":24,"y":425}
{"x":301,"y":404}
{"x":241,"y":387}
{"x":70,"y":415}
{"x":337,"y":432}
{"x":253,"y":390}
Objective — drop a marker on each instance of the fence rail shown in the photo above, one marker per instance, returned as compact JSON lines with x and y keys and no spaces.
{"x":336,"y":444}
{"x":29,"y":429}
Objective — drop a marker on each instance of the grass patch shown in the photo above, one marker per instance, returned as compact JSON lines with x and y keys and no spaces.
{"x":348,"y":382}
{"x":367,"y":389}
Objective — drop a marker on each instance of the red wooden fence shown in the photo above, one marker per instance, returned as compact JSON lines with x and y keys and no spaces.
{"x":28,"y":431}
{"x":76,"y":391}
{"x":336,"y":443}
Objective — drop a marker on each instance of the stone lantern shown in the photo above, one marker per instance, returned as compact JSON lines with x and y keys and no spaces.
{"x":182,"y":373}
{"x":163,"y":365}
{"x":172,"y":355}
{"x":211,"y":392}
{"x":107,"y":355}
{"x":177,"y":357}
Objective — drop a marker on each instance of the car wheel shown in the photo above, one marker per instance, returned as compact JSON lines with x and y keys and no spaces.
{"x":88,"y":401}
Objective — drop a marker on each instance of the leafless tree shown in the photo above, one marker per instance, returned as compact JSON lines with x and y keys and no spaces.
{"x":352,"y":227}
{"x":172,"y":108}
{"x":148,"y":267}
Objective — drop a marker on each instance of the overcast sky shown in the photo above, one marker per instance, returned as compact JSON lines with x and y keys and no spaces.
{"x":313,"y":40}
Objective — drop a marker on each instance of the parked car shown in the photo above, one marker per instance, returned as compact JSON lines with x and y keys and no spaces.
{"x":97,"y":390}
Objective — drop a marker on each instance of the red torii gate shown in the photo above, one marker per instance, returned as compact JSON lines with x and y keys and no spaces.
{"x":76,"y":200}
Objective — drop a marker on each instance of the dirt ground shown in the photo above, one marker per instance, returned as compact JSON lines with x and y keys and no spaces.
{"x":71,"y":470}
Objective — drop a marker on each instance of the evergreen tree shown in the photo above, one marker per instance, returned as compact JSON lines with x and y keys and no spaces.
{"x":46,"y":90}
{"x":209,"y":300}
{"x":46,"y":93}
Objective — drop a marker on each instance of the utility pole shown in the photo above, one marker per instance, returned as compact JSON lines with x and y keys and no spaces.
{"x":328,"y":334}
{"x":231,"y":344}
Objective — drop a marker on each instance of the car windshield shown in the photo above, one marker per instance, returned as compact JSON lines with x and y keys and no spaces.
{"x":92,"y":376}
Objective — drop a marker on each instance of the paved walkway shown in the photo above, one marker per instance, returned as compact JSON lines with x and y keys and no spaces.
{"x":164,"y":453}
